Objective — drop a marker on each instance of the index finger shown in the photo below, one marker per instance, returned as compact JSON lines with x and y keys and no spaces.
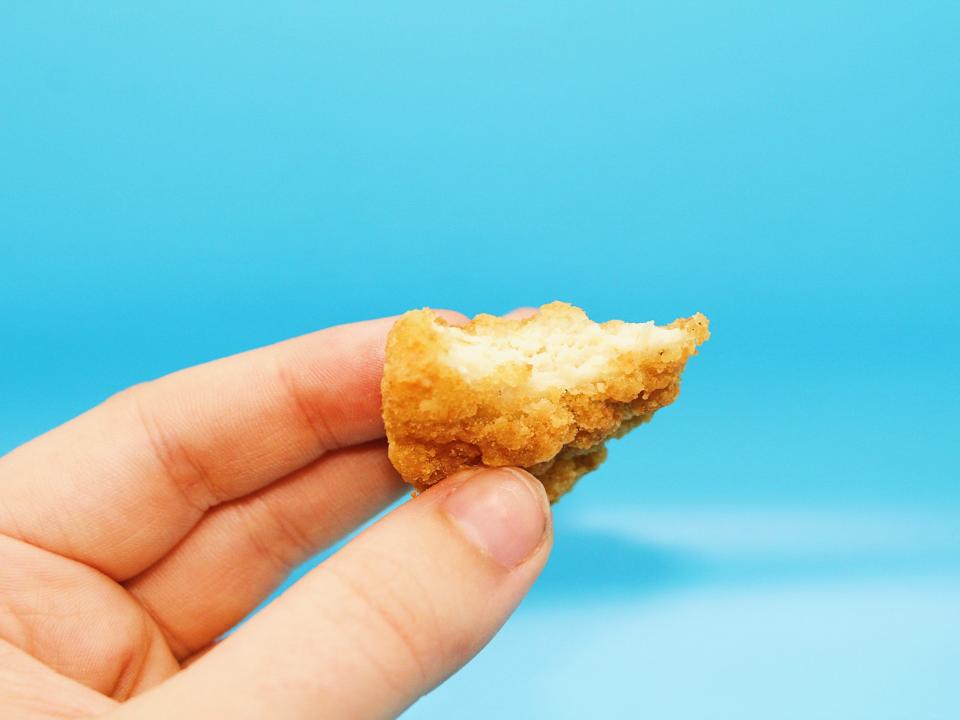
{"x":119,"y":486}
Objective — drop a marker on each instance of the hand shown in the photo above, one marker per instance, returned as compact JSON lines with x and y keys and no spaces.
{"x":136,"y":535}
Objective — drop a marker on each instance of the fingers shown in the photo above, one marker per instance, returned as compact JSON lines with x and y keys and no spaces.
{"x":238,"y":554}
{"x":385,"y":619}
{"x":199,"y":591}
{"x":78,"y":622}
{"x":29,"y":690}
{"x":119,"y":486}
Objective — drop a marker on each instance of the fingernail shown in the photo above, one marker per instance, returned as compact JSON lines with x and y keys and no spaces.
{"x":501,"y":513}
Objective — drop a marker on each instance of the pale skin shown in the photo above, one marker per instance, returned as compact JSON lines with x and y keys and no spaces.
{"x":135,"y":536}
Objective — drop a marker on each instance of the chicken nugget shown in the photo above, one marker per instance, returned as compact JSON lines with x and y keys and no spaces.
{"x":543,"y":393}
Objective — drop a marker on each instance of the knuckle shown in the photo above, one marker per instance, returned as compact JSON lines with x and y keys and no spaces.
{"x":399,"y":609}
{"x":271,"y":535}
{"x":311,"y":416}
{"x":174,"y":459}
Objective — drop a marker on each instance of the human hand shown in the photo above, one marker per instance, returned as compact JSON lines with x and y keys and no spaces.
{"x":136,"y":535}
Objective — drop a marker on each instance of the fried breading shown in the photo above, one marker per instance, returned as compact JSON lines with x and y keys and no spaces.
{"x":543,"y":393}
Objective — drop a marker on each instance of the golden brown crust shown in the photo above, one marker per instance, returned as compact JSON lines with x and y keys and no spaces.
{"x":439,"y":422}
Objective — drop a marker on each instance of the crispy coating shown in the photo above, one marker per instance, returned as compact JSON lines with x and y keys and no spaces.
{"x":543,"y":393}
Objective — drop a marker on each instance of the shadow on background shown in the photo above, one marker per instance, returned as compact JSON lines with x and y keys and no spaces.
{"x":590,"y":565}
{"x":586,"y":564}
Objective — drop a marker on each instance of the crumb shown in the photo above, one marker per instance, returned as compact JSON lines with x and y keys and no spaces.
{"x":543,"y":393}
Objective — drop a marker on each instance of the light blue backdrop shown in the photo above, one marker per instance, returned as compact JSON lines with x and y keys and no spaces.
{"x":182,"y":181}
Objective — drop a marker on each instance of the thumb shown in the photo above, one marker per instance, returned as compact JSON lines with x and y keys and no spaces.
{"x":383,"y":621}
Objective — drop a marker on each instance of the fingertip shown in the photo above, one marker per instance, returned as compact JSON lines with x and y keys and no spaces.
{"x":535,"y":485}
{"x":502,"y":512}
{"x":453,"y":317}
{"x":521,"y":313}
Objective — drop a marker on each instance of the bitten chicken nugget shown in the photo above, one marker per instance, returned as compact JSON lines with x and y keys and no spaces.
{"x":543,"y":393}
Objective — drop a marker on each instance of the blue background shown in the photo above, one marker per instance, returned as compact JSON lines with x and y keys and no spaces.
{"x":182,"y":181}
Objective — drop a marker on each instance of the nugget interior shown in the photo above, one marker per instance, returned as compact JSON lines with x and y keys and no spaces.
{"x":542,"y":393}
{"x":560,"y":350}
